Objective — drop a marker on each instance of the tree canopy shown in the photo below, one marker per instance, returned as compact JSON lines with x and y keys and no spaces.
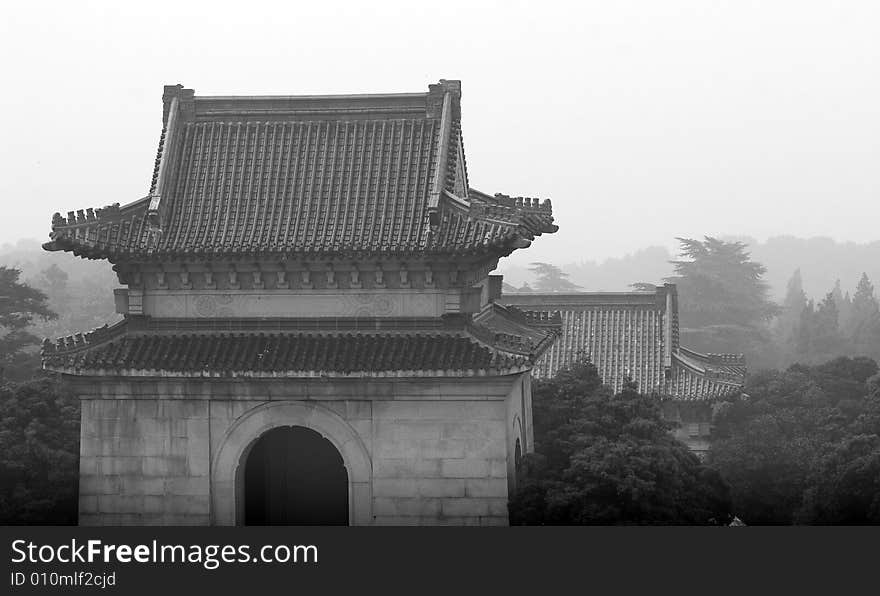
{"x":719,"y":284}
{"x":550,"y":278}
{"x":39,"y":452}
{"x":804,"y":447}
{"x":20,"y":305}
{"x":609,"y":459}
{"x":724,"y":303}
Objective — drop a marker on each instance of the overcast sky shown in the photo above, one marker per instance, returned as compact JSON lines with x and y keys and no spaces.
{"x":642,"y":121}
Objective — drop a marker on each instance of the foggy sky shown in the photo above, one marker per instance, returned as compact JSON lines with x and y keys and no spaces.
{"x":642,"y":121}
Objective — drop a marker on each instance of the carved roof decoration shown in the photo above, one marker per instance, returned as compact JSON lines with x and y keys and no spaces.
{"x":635,"y":335}
{"x":307,"y":175}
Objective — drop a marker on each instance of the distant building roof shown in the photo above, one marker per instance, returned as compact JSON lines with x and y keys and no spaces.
{"x":306,"y":175}
{"x":635,"y":335}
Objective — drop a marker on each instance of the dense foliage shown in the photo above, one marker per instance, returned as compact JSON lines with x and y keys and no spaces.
{"x":804,"y":446}
{"x":609,"y":459}
{"x":20,"y":306}
{"x":39,"y":419}
{"x":39,"y":453}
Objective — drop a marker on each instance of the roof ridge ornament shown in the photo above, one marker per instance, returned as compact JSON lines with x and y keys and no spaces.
{"x":171,"y":102}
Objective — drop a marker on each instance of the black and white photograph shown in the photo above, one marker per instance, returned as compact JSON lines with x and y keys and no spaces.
{"x":439,"y":264}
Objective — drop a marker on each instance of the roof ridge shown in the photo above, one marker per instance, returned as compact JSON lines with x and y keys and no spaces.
{"x":314,"y":96}
{"x":441,"y":166}
{"x":715,"y":357}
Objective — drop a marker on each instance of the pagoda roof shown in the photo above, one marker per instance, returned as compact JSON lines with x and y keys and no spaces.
{"x":452,"y":346}
{"x":308,"y":176}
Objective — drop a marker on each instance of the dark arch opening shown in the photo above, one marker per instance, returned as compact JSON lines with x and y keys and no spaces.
{"x":294,"y":476}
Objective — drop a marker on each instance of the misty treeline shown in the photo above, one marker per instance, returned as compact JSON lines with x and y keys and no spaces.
{"x":821,"y":261}
{"x":42,"y":295}
{"x":725,"y":305}
{"x":800,"y":445}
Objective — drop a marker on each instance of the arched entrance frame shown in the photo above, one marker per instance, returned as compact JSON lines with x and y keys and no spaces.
{"x":227,"y":468}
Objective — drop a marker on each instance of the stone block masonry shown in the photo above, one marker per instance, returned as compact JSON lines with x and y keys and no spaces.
{"x":417,"y":453}
{"x":144,"y":462}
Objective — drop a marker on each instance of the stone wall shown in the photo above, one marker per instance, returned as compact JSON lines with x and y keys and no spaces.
{"x":418,"y":451}
{"x":693,"y":423}
{"x":144,"y":462}
{"x":440,"y":462}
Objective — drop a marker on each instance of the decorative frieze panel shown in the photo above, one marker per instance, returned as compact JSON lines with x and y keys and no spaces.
{"x":214,"y":304}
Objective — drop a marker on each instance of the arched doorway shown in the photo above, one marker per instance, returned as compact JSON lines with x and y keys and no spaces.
{"x":295,"y":476}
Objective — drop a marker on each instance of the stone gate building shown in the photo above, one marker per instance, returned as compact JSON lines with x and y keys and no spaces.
{"x":310,"y":330}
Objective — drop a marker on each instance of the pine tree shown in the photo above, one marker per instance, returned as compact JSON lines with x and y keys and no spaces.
{"x":846,"y":313}
{"x":864,"y":302}
{"x":827,"y":339}
{"x":20,"y":304}
{"x":864,"y":329}
{"x":792,"y":308}
{"x":719,"y":284}
{"x":843,"y":304}
{"x":803,"y":344}
{"x":551,"y":278}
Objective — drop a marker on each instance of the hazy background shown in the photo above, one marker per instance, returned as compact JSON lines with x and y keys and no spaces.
{"x":642,"y":121}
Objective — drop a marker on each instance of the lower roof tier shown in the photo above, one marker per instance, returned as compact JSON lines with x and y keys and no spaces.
{"x":143,"y":347}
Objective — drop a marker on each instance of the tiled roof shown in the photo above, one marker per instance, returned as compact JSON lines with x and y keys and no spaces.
{"x":635,"y":335}
{"x":292,"y":348}
{"x":307,"y":175}
{"x":688,"y":381}
{"x":517,"y":331}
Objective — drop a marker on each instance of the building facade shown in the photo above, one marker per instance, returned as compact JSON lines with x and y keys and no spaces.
{"x":634,"y":335}
{"x":310,"y":332}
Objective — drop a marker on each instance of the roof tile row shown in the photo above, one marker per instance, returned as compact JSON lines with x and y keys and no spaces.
{"x":283,"y":353}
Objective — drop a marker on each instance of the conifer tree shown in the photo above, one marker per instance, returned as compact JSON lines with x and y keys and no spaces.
{"x":719,"y":284}
{"x":803,"y":344}
{"x":792,"y":308}
{"x":550,"y":278}
{"x":827,"y":339}
{"x":864,"y":331}
{"x":20,"y":305}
